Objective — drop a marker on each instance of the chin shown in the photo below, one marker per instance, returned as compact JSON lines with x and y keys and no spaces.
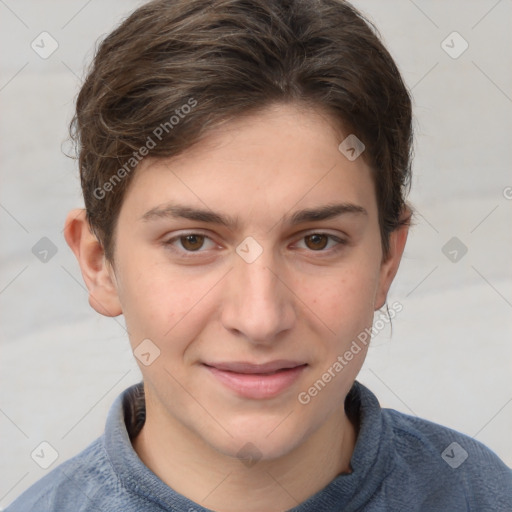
{"x":261,"y":440}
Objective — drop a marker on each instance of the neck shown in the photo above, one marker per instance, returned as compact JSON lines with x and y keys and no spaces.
{"x":196,"y":470}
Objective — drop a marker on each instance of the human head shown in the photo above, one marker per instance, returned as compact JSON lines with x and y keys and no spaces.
{"x":174,"y":70}
{"x":259,"y":135}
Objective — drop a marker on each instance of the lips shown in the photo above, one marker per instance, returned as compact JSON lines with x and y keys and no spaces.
{"x":251,"y":368}
{"x":257,"y":381}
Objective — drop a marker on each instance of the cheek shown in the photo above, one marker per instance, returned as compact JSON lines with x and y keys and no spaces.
{"x":346,"y":299}
{"x":143,"y":303}
{"x":162,"y":305}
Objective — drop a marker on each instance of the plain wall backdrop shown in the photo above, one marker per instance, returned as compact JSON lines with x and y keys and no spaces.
{"x":449,"y":356}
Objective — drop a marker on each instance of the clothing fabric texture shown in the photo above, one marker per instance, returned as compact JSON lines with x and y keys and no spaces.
{"x":399,"y":463}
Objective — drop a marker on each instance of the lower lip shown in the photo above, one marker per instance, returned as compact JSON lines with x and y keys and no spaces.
{"x":258,"y":386}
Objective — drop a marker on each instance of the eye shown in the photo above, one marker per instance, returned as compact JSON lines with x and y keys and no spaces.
{"x":318,"y":242}
{"x":189,"y":242}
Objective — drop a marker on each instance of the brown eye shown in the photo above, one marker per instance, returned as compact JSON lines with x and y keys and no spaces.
{"x":192,"y":242}
{"x":316,"y":241}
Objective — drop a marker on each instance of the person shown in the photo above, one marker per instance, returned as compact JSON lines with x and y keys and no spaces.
{"x":245,"y":167}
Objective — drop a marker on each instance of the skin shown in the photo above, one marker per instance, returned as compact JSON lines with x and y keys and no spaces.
{"x":303,"y":298}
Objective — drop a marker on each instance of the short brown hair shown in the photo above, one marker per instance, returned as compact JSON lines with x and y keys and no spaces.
{"x":177,"y":68}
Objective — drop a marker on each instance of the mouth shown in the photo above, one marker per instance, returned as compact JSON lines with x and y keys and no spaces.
{"x":257,"y":381}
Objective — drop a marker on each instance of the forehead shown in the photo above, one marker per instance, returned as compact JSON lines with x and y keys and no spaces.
{"x":258,"y":165}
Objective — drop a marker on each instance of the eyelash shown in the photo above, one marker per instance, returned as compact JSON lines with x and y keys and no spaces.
{"x":191,"y":254}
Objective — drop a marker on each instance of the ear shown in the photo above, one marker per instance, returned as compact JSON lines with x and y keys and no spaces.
{"x":97,"y":272}
{"x":390,"y":264}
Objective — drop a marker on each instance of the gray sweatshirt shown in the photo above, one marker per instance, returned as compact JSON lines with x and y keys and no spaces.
{"x":400,"y":463}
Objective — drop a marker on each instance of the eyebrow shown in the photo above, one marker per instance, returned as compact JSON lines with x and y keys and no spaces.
{"x":177,"y":211}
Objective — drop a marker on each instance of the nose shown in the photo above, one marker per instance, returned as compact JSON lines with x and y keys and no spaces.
{"x":258,"y":305}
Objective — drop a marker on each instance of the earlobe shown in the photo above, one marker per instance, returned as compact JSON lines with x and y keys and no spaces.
{"x":389,"y":266}
{"x":96,"y":271}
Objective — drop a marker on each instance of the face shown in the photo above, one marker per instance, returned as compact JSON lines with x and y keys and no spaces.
{"x":251,"y":262}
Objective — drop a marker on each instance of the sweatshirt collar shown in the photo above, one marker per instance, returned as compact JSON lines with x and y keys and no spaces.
{"x":372,"y":459}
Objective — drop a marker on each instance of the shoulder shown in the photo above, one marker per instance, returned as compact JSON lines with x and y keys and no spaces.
{"x":104,"y":477}
{"x":448,"y":461}
{"x":73,"y":485}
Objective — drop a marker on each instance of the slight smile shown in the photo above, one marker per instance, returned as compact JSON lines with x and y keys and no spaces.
{"x":257,"y":381}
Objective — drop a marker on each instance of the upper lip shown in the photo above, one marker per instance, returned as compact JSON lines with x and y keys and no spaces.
{"x":246,"y":367}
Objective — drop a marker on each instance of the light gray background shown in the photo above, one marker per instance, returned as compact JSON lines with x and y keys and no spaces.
{"x":449,"y":358}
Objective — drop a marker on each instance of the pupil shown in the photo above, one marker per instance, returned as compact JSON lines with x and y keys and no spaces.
{"x":192,"y":242}
{"x":317,"y":241}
